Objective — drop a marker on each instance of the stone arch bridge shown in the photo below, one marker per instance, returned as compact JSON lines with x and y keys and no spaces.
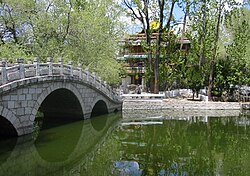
{"x":56,"y":90}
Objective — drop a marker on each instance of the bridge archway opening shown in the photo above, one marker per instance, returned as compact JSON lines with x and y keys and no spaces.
{"x":100,"y":108}
{"x":7,"y":130}
{"x":59,"y":107}
{"x":7,"y":145}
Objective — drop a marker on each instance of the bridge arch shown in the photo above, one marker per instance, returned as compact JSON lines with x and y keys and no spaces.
{"x":99,"y":106}
{"x":61,"y":96}
{"x":24,"y":88}
{"x":8,"y":123}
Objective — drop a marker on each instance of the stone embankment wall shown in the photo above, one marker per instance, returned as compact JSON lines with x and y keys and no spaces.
{"x":178,"y":104}
{"x":176,"y":114}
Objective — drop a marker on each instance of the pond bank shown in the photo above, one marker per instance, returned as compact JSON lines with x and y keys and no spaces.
{"x":176,"y":114}
{"x":178,"y":104}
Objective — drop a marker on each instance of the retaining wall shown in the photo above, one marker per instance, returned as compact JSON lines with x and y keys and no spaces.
{"x":178,"y":104}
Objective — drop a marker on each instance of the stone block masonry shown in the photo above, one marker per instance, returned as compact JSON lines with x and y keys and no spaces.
{"x":178,"y":104}
{"x":22,"y":94}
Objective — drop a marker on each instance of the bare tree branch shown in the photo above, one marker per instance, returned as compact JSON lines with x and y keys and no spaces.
{"x":129,"y":6}
{"x":12,"y":27}
{"x":49,"y":5}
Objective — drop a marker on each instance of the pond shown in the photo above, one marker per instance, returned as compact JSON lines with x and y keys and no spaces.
{"x":136,"y":143}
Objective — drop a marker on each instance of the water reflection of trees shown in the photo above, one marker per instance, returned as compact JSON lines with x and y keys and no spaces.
{"x":218,"y":146}
{"x":64,"y":150}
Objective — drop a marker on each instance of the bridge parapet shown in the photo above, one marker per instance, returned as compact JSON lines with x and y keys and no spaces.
{"x":20,"y":71}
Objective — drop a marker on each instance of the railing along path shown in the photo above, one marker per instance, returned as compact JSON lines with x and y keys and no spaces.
{"x":18,"y":71}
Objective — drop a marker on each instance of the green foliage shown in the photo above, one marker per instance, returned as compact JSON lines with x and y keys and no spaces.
{"x":233,"y":69}
{"x":10,"y":51}
{"x":230,"y":53}
{"x":111,"y":73}
{"x":172,"y":63}
{"x":83,"y":31}
{"x":195,"y":79}
{"x":219,"y":55}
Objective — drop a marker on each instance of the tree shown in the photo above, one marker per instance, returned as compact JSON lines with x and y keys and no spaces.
{"x":161,"y":5}
{"x":232,"y":70}
{"x":65,"y":29}
{"x":219,"y":11}
{"x":140,"y":11}
{"x":207,"y":36}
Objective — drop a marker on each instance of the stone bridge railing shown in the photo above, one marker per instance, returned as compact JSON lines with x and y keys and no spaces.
{"x":18,"y":71}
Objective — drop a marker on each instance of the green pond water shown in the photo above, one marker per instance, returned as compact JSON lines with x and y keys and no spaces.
{"x":137,"y":143}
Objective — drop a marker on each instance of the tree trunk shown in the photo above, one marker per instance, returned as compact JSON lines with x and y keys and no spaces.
{"x":204,"y":31}
{"x":184,"y":25}
{"x":170,"y":15}
{"x":210,"y":82}
{"x":161,"y":4}
{"x":156,"y":64}
{"x":149,"y":52}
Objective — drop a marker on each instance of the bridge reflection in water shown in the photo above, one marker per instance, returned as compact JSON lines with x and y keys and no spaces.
{"x":141,"y":143}
{"x":63,"y":150}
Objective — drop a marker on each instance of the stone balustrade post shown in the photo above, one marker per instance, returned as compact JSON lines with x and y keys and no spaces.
{"x":20,"y":62}
{"x":71,"y":68}
{"x":100,"y":82}
{"x":37,"y":66}
{"x":110,"y":90}
{"x":60,"y":62}
{"x":94,"y":76}
{"x":4,"y":72}
{"x":50,"y":62}
{"x":80,"y":70}
{"x":105,"y":86}
{"x":87,"y":72}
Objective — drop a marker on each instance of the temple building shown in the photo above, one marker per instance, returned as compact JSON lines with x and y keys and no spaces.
{"x":132,"y":56}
